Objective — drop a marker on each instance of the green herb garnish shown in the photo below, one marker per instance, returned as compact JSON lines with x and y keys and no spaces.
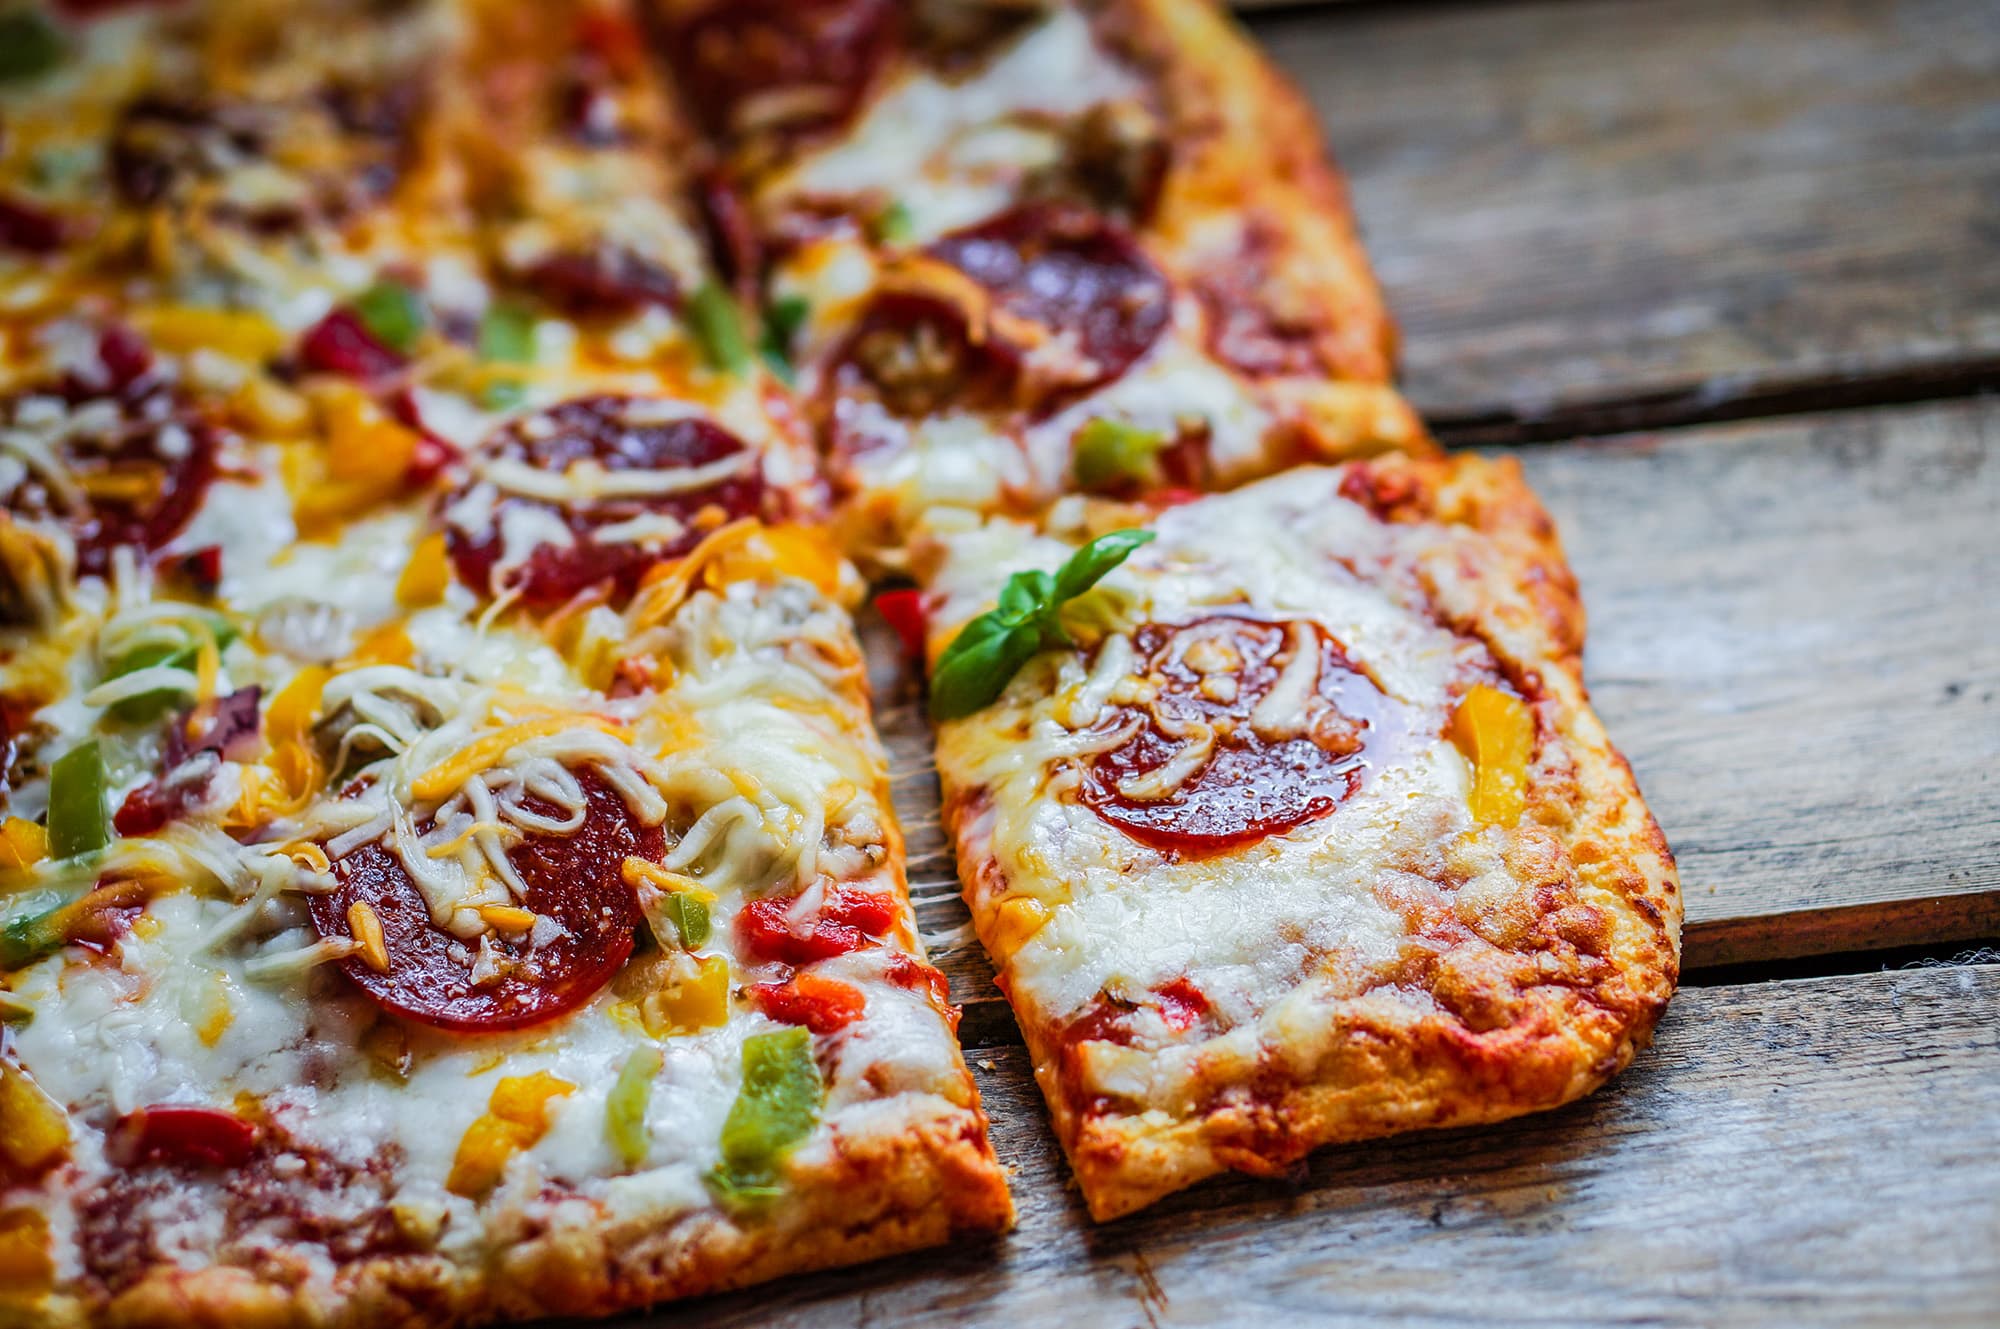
{"x":782,"y":321}
{"x":30,"y":46}
{"x":991,"y":649}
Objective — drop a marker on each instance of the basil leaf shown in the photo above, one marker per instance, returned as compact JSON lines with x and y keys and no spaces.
{"x":30,"y":46}
{"x":1087,"y":566}
{"x":77,"y":824}
{"x":969,"y":676}
{"x":393,"y":314}
{"x":717,"y":326}
{"x":986,"y":654}
{"x":782,"y":321}
{"x":1109,"y":452}
{"x":775,"y":1109}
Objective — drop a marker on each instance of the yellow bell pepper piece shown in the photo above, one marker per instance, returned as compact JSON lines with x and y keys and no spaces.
{"x":1496,"y":732}
{"x":692,"y":1004}
{"x":1016,"y":921}
{"x":27,"y":1269}
{"x":23,"y":843}
{"x":388,"y":644}
{"x":34,"y":1132}
{"x":516,"y":1117}
{"x":238,"y":334}
{"x":361,"y":463}
{"x":426,"y":575}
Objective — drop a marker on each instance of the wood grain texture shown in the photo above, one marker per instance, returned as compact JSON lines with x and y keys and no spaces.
{"x":1704,"y":208}
{"x":1817,"y":1152}
{"x":1793,"y":637}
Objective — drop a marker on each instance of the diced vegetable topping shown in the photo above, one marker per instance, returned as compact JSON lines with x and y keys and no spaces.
{"x":1496,"y":732}
{"x":147,"y":706}
{"x":506,"y":336}
{"x":782,"y":321}
{"x":893,"y":225}
{"x":515,"y":1118}
{"x":1111,"y":452}
{"x":26,"y":938}
{"x":78,"y":824}
{"x":717,"y":326}
{"x":991,"y":649}
{"x":37,"y":1133}
{"x":823,"y":1005}
{"x":775,"y":1109}
{"x":690,"y":917}
{"x":393,"y":315}
{"x":23,"y":844}
{"x":691,"y":1004}
{"x":30,"y":46}
{"x":426,"y":575}
{"x":192,"y":1136}
{"x":625,"y":1107}
{"x":903,"y":610}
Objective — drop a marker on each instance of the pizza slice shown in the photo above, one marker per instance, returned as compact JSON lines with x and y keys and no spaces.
{"x":1284,"y":817}
{"x":1017,"y":250}
{"x":447,"y":869}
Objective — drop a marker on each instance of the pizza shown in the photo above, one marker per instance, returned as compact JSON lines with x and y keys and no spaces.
{"x":1010,"y":251}
{"x":447,"y":870}
{"x":447,"y":866}
{"x":1284,"y":816}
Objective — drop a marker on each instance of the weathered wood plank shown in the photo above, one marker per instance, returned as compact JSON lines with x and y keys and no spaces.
{"x":1815,"y":1152}
{"x":1707,"y":206}
{"x":1793,"y":637}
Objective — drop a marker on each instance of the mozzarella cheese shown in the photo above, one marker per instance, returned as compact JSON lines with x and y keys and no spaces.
{"x":1289,"y":918}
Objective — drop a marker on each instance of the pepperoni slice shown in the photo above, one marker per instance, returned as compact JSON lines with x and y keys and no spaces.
{"x":606,"y":282}
{"x":1075,"y":304}
{"x":573,"y":879}
{"x":790,"y":67}
{"x":1080,"y":277}
{"x":1268,"y":770}
{"x":618,"y":434}
{"x":137,"y":455}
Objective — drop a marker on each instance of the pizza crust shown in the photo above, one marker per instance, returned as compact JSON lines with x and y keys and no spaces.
{"x":862,"y":1200}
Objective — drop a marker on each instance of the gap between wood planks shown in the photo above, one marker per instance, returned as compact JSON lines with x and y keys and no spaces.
{"x":1718,"y":401}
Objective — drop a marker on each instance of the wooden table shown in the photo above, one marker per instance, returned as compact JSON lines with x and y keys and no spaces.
{"x":1728,"y":277}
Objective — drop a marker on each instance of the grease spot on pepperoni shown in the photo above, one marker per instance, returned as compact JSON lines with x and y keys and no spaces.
{"x":141,"y":456}
{"x":618,"y":434}
{"x":1214,"y":671}
{"x":574,"y":879}
{"x":789,"y":67}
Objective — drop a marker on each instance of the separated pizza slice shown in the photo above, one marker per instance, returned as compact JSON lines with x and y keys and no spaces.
{"x":1285,"y":819}
{"x":1017,"y":250}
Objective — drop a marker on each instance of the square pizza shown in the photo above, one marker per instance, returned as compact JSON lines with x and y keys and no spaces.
{"x":1284,"y":816}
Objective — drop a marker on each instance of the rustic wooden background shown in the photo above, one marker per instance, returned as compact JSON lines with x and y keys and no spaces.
{"x":1727,"y":276}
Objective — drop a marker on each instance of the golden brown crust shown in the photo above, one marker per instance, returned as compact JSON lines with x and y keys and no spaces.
{"x":1523,"y":1002}
{"x":1248,"y":150}
{"x":936,"y":1182}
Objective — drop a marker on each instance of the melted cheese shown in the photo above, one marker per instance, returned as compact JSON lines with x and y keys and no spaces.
{"x":1295,"y":911}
